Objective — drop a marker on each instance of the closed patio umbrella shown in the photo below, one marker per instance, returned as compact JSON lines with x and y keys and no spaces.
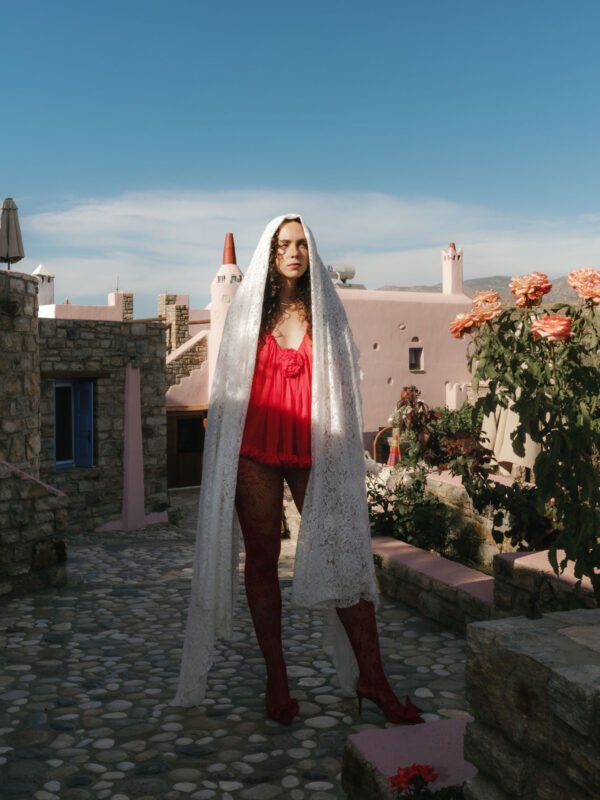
{"x":11,"y":243}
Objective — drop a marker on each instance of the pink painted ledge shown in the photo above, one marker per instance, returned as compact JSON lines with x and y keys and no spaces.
{"x":538,"y":562}
{"x":25,"y":476}
{"x":440,"y":569}
{"x":438,"y":743}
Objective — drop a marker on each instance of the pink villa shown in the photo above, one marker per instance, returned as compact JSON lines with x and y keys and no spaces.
{"x":402,"y":337}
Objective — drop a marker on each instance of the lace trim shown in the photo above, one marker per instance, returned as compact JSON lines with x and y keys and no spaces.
{"x":279,"y":460}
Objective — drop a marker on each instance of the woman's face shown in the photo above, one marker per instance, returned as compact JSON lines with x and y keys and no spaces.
{"x":292,"y":251}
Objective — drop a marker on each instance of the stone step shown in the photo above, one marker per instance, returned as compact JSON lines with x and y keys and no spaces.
{"x":372,"y":756}
{"x":443,"y":590}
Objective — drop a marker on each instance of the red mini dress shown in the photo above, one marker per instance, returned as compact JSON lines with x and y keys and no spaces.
{"x":277,"y":430}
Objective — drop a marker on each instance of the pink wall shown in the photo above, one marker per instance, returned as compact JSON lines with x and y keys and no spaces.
{"x":199,"y":320}
{"x":383,"y":325}
{"x":113,"y":312}
{"x":191,"y":392}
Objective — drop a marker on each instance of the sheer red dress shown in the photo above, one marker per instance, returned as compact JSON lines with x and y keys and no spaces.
{"x":277,"y":430}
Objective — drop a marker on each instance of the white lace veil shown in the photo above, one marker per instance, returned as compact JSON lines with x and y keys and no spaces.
{"x":334,"y":564}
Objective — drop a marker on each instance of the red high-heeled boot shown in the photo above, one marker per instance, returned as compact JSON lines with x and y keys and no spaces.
{"x":361,"y":627}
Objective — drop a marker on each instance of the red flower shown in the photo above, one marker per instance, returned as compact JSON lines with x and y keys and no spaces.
{"x":401,"y":780}
{"x":291,"y":363}
{"x":553,"y":327}
{"x":427,"y":773}
{"x":529,"y":289}
{"x":405,"y":777}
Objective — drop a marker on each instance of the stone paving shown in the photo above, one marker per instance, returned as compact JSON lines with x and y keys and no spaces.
{"x":89,"y":669}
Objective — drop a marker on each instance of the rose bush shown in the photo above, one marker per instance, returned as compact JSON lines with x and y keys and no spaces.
{"x":544,"y":365}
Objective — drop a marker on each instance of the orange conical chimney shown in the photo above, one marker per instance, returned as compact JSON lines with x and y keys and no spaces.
{"x":229,"y":250}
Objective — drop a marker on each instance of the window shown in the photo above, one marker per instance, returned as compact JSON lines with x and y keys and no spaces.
{"x":415,"y":358}
{"x":74,"y":423}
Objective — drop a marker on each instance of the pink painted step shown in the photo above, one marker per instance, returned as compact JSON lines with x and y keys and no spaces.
{"x":372,"y":756}
{"x":538,"y":562}
{"x":449,"y":573}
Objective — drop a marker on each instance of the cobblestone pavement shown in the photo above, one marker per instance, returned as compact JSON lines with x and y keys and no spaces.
{"x":89,"y":670}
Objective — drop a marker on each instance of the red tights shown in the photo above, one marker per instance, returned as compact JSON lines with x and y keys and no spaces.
{"x":259,"y":500}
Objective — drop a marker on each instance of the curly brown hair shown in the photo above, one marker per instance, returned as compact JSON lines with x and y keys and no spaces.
{"x":271,"y":310}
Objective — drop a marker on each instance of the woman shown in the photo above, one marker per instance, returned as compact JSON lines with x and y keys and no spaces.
{"x":285,"y":403}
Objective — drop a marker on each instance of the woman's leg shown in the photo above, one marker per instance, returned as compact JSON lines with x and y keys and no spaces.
{"x":361,"y":627}
{"x":258,"y":502}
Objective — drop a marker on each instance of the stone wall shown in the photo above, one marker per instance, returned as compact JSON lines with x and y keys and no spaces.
{"x":19,"y":371}
{"x":191,"y":359}
{"x":526,"y":584}
{"x":127,"y":306}
{"x":100,"y":351}
{"x":534,"y":692}
{"x":477,"y":528}
{"x":177,"y":320}
{"x":33,"y":517}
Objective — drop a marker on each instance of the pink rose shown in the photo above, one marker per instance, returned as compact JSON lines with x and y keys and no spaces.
{"x":486,"y":296}
{"x":529,"y":289}
{"x":587,"y":283}
{"x":486,"y":306}
{"x":464,"y":323}
{"x":553,"y":327}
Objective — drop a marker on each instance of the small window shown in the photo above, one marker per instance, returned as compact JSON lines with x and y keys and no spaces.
{"x":74,"y":423}
{"x":415,"y":358}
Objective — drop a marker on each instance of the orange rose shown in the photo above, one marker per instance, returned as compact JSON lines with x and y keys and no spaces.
{"x":464,"y":323}
{"x":486,"y":306}
{"x":587,"y":283}
{"x":584,"y":275}
{"x":486,"y":311}
{"x":485,"y":297}
{"x":529,"y":289}
{"x":590,"y":291}
{"x":553,"y":327}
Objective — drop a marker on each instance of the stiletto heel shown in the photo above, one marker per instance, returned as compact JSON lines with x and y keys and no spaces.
{"x":407,"y":714}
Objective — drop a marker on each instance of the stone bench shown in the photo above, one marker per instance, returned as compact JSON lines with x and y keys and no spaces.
{"x":442,"y":590}
{"x":372,"y":756}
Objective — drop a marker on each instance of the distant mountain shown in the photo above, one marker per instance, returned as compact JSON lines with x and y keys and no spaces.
{"x":561,"y":291}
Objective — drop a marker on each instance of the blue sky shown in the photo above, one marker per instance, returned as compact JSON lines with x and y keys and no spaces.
{"x":138,"y":132}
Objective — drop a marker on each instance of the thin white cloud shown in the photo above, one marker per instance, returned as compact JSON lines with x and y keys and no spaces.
{"x":172,"y":241}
